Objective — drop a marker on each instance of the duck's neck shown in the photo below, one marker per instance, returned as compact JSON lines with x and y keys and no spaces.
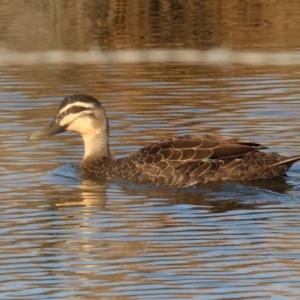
{"x":96,"y":146}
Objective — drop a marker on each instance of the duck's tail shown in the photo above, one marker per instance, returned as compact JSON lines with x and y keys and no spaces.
{"x":288,"y":161}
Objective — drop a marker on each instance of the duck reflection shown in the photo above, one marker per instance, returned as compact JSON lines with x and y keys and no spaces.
{"x":219,"y":196}
{"x":71,"y":189}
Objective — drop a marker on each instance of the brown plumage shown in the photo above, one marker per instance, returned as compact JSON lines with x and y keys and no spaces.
{"x":190,"y":160}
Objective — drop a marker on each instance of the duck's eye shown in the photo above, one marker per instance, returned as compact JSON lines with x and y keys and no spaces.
{"x":75,"y":109}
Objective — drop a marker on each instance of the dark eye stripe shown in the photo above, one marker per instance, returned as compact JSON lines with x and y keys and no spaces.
{"x":76,"y":109}
{"x":72,"y":110}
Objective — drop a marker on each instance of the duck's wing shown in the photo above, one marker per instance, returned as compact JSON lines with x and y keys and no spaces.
{"x":231,"y":147}
{"x":184,"y":161}
{"x":197,"y":148}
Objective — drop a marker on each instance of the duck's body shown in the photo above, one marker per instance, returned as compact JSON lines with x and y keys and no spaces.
{"x":178,"y":162}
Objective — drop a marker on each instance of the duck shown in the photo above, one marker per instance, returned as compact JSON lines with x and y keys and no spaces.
{"x":184,"y":161}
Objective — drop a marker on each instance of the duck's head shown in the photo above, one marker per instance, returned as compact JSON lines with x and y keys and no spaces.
{"x":82,"y":114}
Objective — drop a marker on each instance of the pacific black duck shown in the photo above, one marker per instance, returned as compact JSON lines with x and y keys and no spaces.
{"x":189,"y":160}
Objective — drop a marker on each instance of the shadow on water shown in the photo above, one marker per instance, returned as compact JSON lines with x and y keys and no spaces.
{"x":214,"y":197}
{"x":220,"y":196}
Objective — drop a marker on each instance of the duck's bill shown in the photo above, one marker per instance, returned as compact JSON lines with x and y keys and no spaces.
{"x":53,"y":129}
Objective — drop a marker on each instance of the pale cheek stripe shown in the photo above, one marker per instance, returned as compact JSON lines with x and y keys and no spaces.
{"x":66,"y":120}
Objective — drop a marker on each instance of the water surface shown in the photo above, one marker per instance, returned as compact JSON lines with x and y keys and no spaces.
{"x":67,"y":237}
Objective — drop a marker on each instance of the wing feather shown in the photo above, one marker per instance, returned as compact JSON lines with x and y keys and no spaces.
{"x":190,"y":160}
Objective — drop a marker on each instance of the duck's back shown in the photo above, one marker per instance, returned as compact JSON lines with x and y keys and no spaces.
{"x":193,"y":160}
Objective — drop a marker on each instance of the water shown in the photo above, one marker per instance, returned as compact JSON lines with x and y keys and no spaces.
{"x":67,"y":237}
